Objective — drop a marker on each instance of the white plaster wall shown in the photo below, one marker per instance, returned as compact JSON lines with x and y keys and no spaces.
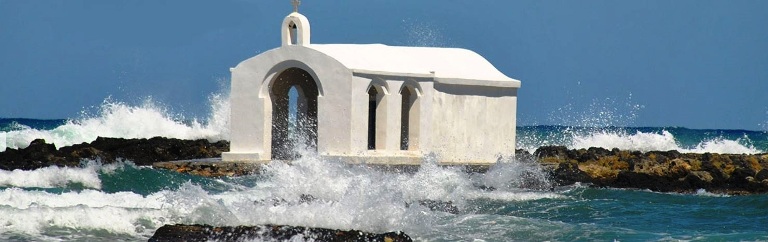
{"x":359,"y":118}
{"x":252,"y":109}
{"x":477,"y":126}
{"x":426,"y":120}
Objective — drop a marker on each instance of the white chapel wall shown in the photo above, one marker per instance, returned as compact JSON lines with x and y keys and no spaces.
{"x":251,"y":119}
{"x":473,"y":128}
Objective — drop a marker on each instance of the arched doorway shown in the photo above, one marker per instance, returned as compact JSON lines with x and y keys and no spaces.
{"x":294,"y":116}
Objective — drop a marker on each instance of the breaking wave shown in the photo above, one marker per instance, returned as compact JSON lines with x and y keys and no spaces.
{"x":664,"y":141}
{"x":118,"y":119}
{"x":309,"y":192}
{"x":643,"y":139}
{"x":606,"y":123}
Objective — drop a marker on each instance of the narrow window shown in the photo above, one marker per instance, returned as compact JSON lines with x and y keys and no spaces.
{"x":294,"y":30}
{"x":372,"y":94}
{"x":405,"y":118}
{"x":293,"y":114}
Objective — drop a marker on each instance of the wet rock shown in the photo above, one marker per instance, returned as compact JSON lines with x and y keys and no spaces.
{"x":568,"y":173}
{"x":762,"y":175}
{"x":303,"y":199}
{"x":108,"y":150}
{"x":180,"y":232}
{"x":209,"y":168}
{"x":740,"y":176}
{"x":699,"y":179}
{"x":521,"y":154}
{"x":665,"y":171}
{"x":441,"y":206}
{"x":551,"y":151}
{"x":630,"y":179}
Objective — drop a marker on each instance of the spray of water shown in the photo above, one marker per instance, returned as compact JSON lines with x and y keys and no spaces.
{"x":118,"y":119}
{"x":310,"y":191}
{"x":602,"y":124}
{"x":421,"y":33}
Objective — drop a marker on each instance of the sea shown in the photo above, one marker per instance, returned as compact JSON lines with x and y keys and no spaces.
{"x":126,"y":202}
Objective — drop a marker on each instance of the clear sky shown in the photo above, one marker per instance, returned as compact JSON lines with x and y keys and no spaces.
{"x":696,"y":64}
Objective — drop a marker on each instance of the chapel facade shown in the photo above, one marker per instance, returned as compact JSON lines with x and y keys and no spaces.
{"x":369,"y":103}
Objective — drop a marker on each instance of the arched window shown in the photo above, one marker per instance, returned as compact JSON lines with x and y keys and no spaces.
{"x":372,"y":105}
{"x":409,"y":118}
{"x":405,"y":118}
{"x":293,"y":113}
{"x":294,"y":32}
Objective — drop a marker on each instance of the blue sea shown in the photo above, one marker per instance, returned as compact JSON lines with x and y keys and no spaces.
{"x":125,"y":202}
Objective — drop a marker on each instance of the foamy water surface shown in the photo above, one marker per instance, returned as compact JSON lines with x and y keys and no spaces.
{"x":513,"y":200}
{"x":47,"y":205}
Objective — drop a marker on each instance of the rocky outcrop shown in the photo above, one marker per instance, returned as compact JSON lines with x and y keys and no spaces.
{"x":210,"y":168}
{"x":180,"y":232}
{"x":663,"y":171}
{"x":108,"y":150}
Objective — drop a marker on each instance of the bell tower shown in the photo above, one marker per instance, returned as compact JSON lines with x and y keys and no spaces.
{"x":295,"y":29}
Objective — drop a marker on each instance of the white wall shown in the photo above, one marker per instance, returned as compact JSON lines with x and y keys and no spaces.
{"x":473,"y":123}
{"x":251,"y":114}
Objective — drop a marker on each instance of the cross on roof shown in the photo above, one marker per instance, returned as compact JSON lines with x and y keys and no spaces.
{"x":296,"y":4}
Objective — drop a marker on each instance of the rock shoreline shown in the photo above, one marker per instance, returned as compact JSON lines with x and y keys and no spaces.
{"x":663,"y":171}
{"x":142,"y":152}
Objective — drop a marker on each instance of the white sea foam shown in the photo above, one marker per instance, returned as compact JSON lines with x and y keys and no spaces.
{"x":50,"y":177}
{"x":3,"y":141}
{"x":35,"y":212}
{"x":724,"y":146}
{"x":117,"y":119}
{"x":637,"y":141}
{"x":309,"y":192}
{"x":642,"y":141}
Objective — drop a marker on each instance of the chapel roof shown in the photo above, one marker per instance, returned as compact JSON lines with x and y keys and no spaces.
{"x":446,"y":63}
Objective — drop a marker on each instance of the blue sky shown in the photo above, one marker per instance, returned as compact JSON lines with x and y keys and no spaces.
{"x":696,"y":64}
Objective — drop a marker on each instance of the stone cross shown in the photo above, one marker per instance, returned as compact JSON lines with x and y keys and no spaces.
{"x":296,"y":4}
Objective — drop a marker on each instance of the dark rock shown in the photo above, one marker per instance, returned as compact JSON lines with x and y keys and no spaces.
{"x":630,"y":179}
{"x":551,"y":151}
{"x":441,"y":206}
{"x":761,"y":175}
{"x":699,"y":179}
{"x":600,"y":152}
{"x":583,"y":155}
{"x":521,"y":154}
{"x":209,"y":167}
{"x":740,"y":176}
{"x":568,"y":173}
{"x":433,"y":205}
{"x":108,"y":150}
{"x":180,"y":232}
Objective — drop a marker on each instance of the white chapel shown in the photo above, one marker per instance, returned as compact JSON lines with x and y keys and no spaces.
{"x":369,"y":103}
